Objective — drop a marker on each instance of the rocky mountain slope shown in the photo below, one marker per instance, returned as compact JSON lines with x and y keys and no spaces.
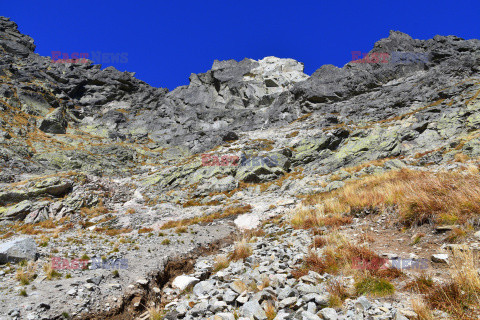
{"x":95,"y":163}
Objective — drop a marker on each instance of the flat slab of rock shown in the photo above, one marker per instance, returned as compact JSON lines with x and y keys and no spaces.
{"x":247,"y":221}
{"x":184,"y":282}
{"x":440,"y":258}
{"x":253,"y":309}
{"x":18,"y":249}
{"x":446,"y":228}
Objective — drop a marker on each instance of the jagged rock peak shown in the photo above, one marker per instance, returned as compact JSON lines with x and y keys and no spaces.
{"x":13,"y":41}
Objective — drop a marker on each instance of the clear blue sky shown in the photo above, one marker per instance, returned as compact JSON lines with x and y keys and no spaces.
{"x":168,"y":40}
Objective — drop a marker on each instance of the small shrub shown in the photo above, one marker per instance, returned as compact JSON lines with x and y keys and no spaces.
{"x":23,"y":293}
{"x":166,"y":242}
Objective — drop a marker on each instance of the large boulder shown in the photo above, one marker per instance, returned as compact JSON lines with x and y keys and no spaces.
{"x":55,"y":122}
{"x":16,"y":212}
{"x":18,"y":249}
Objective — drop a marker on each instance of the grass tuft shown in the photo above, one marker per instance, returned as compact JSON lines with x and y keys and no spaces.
{"x":241,"y":250}
{"x":221,"y":262}
{"x":377,"y":287}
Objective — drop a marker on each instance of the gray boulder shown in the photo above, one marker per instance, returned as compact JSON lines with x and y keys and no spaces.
{"x":16,"y":212}
{"x":55,"y":122}
{"x":253,"y":309}
{"x":18,"y":249}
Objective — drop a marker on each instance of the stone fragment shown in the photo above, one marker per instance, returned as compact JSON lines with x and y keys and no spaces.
{"x":440,"y":258}
{"x":183,"y":282}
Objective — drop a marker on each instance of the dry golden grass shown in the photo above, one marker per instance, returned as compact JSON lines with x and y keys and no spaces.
{"x":7,"y":235}
{"x":95,"y":211}
{"x":26,"y":274}
{"x":461,"y":295}
{"x":461,"y":157}
{"x":464,"y":271}
{"x":422,"y":311}
{"x":113,"y":232}
{"x":292,"y":134}
{"x":194,"y":202}
{"x":155,"y":313}
{"x":180,"y":230}
{"x":270,"y":311}
{"x":420,"y":197}
{"x":473,"y":169}
{"x":420,"y":284}
{"x":338,"y":294}
{"x":335,"y":177}
{"x":47,"y":224}
{"x":50,"y":272}
{"x":130,"y":211}
{"x":231,"y":211}
{"x":27,"y":229}
{"x":144,"y":230}
{"x":357,"y":168}
{"x":336,"y":259}
{"x":221,"y":262}
{"x":455,"y":234}
{"x":241,"y":250}
{"x":319,"y":242}
{"x":305,"y":116}
{"x":314,"y":217}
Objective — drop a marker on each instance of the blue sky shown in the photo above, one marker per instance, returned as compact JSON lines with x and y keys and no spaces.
{"x":165,"y":41}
